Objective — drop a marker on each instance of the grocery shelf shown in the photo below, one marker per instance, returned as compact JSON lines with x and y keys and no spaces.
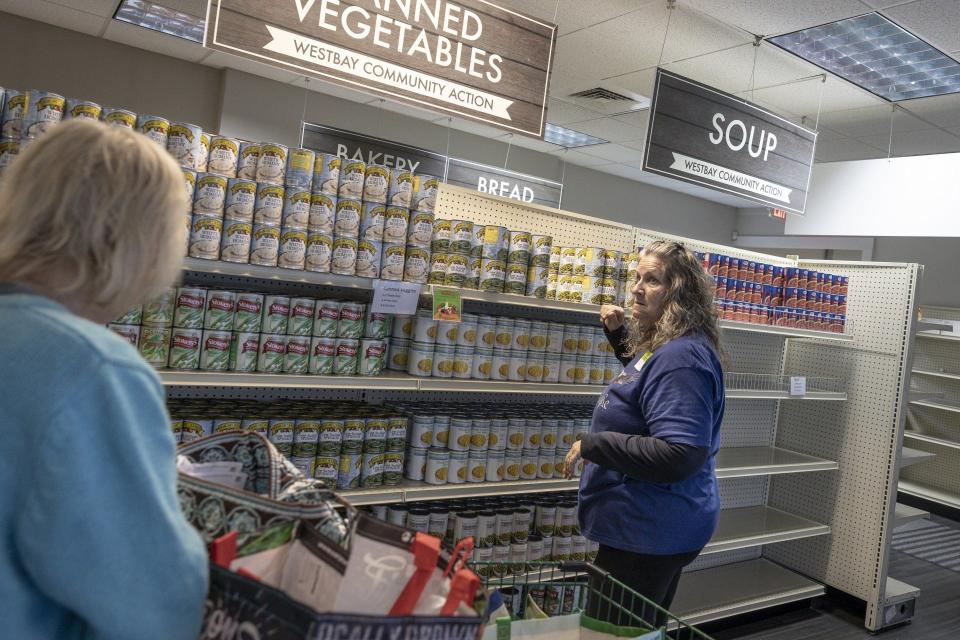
{"x":213,"y":272}
{"x":909,"y":456}
{"x":897,"y":590}
{"x":917,"y":395}
{"x":919,"y":437}
{"x":175,"y":378}
{"x":514,"y":300}
{"x":415,"y":491}
{"x":741,"y":462}
{"x":936,"y":335}
{"x":942,"y":405}
{"x":937,"y":374}
{"x":756,"y":526}
{"x":740,"y":587}
{"x":916,"y":490}
{"x":491,"y":386}
{"x":760,"y":394}
{"x":904,"y":513}
{"x":789,"y":332}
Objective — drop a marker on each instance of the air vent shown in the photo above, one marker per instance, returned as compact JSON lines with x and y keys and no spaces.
{"x":599,"y":93}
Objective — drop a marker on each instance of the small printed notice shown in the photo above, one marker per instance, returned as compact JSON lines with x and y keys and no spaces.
{"x":447,"y":305}
{"x":798,"y":385}
{"x":400,"y":298}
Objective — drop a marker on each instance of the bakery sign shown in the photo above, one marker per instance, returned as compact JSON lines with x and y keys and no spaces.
{"x":469,"y":58}
{"x":704,"y":136}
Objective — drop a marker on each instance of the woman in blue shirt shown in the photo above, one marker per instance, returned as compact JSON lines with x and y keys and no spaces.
{"x":92,"y":541}
{"x":649,"y":495}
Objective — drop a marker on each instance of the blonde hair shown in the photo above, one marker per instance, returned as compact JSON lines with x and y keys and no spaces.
{"x":688,"y":306}
{"x":95,"y":213}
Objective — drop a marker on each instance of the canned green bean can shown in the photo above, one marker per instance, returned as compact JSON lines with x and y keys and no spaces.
{"x":350,"y":471}
{"x":297,"y":358}
{"x":372,"y":357}
{"x":244,"y":351}
{"x":354,"y":433}
{"x":222,"y":425}
{"x":155,"y":345}
{"x":515,"y":278}
{"x":397,"y":433}
{"x":461,"y":237}
{"x":306,"y":434}
{"x":496,"y":243}
{"x":540,"y":249}
{"x":189,"y":307}
{"x":129,"y":332}
{"x":158,"y":312}
{"x":438,"y":268}
{"x":375,"y":435}
{"x":350,"y":323}
{"x":377,"y":326}
{"x":519,"y":252}
{"x":326,"y":469}
{"x":273,"y":349}
{"x":456,"y":273}
{"x":492,"y":274}
{"x":185,"y":348}
{"x":215,"y":353}
{"x":327,"y":318}
{"x":440,"y":240}
{"x":330,"y":437}
{"x":220,"y":309}
{"x":256,"y":425}
{"x":300,"y":322}
{"x":372,"y":472}
{"x":392,"y":468}
{"x":322,"y":354}
{"x":276,"y":313}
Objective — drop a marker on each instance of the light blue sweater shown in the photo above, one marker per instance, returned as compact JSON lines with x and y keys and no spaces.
{"x":92,"y":542}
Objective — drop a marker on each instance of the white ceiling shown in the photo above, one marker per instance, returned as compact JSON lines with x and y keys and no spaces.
{"x":619,"y":43}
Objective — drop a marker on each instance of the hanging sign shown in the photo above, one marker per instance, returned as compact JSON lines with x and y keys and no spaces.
{"x":356,"y":146}
{"x":710,"y":138}
{"x":470,"y":58}
{"x":500,"y":182}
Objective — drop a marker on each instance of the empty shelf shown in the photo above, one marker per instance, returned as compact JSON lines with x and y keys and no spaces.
{"x":905,"y":513}
{"x":757,"y":461}
{"x":755,"y":526}
{"x":910,"y":456}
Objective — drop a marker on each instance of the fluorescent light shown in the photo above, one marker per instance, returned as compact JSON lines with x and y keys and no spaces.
{"x":878,"y":55}
{"x":151,"y":15}
{"x":569,"y":138}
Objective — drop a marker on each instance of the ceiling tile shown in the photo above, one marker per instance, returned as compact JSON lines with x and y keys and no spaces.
{"x":608,"y":129}
{"x":805,"y":98}
{"x":168,"y":45}
{"x":529,"y":143}
{"x":868,"y":121}
{"x":614,"y":153}
{"x":772,"y":17}
{"x":638,"y":119}
{"x":103,"y":8}
{"x":914,"y":143}
{"x":571,"y":15}
{"x":574,"y":156}
{"x":845,"y":149}
{"x":935,"y":21}
{"x":883,"y":4}
{"x":561,"y":112}
{"x":943,"y":111}
{"x":55,"y":14}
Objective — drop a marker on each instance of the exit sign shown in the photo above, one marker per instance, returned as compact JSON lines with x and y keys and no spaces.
{"x":779,"y":214}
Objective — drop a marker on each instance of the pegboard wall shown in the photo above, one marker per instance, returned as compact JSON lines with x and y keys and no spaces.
{"x":862,"y":434}
{"x":566,"y":229}
{"x":644,"y":236}
{"x":265,"y":394}
{"x":748,"y":423}
{"x":938,"y":356}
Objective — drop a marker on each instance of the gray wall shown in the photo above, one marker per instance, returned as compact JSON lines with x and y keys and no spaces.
{"x":258,"y":108}
{"x":34,"y":55}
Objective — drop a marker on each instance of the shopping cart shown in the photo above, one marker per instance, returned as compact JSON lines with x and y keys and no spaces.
{"x":560,"y":588}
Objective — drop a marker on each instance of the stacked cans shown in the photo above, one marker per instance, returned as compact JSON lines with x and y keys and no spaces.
{"x":488,"y":443}
{"x":758,"y":293}
{"x":213,"y":330}
{"x":591,"y":275}
{"x":24,"y":116}
{"x":346,"y":445}
{"x":484,"y":347}
{"x":454,"y":257}
{"x":420,"y":224}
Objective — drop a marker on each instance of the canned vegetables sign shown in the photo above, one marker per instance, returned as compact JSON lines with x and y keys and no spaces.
{"x":470,"y":58}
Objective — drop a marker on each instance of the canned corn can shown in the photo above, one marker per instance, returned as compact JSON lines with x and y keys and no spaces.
{"x":399,"y":352}
{"x":372,"y":357}
{"x":456,"y":272}
{"x":457,"y":471}
{"x":420,"y":229}
{"x":272,"y":163}
{"x":345,"y":358}
{"x":273,"y":350}
{"x":183,"y":141}
{"x":83,"y":109}
{"x":443,"y":360}
{"x":392,"y":262}
{"x":500,"y":365}
{"x":265,"y":245}
{"x":155,"y":345}
{"x":158,"y":311}
{"x":185,"y":348}
{"x":492,"y":275}
{"x":319,"y":252}
{"x":326,"y":319}
{"x":376,"y":183}
{"x":350,"y":471}
{"x":352,"y":174}
{"x":425,"y":328}
{"x":240,"y":199}
{"x":323,"y":212}
{"x":296,"y":208}
{"x":224,"y":156}
{"x":326,"y":470}
{"x":416,"y":464}
{"x":347,"y":218}
{"x":425,"y":193}
{"x":482,"y":366}
{"x":247,"y":160}
{"x":438,"y":268}
{"x":477,"y":466}
{"x":400,"y":189}
{"x":512,"y":462}
{"x":235,"y":241}
{"x":327,"y":176}
{"x":209,"y":195}
{"x":343,"y":260}
{"x":421,"y":432}
{"x":268,"y":207}
{"x":322,"y":354}
{"x":504,"y":332}
{"x":416,"y":266}
{"x":130,"y":333}
{"x":205,"y":233}
{"x":244,"y":351}
{"x":155,"y":128}
{"x":297,"y":356}
{"x":420,"y":359}
{"x":350,"y":324}
{"x":299,"y":174}
{"x":293,"y":249}
{"x":44,"y":110}
{"x":215,"y":350}
{"x":189,"y":307}
{"x":371,"y":221}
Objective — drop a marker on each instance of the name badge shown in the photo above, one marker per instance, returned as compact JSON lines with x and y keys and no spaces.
{"x":643,"y":358}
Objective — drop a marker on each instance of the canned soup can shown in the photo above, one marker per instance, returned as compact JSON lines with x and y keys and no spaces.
{"x":400,"y":189}
{"x":268,"y":207}
{"x":84,"y":109}
{"x":368,"y":258}
{"x":300,"y":166}
{"x":240,"y":199}
{"x":210,"y":195}
{"x":265,"y":245}
{"x":247,"y":160}
{"x":376,"y":183}
{"x":344,"y":257}
{"x":155,"y":128}
{"x":328,"y":180}
{"x":205,"y":235}
{"x":425,"y":193}
{"x":293,"y":249}
{"x":223,"y":157}
{"x":296,"y":208}
{"x":183,"y":142}
{"x":352,"y":173}
{"x":323,"y":211}
{"x":319,"y":252}
{"x":272,"y":163}
{"x":44,"y":110}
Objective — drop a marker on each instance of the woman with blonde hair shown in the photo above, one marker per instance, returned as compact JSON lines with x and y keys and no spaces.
{"x":649,"y":492}
{"x":92,"y":540}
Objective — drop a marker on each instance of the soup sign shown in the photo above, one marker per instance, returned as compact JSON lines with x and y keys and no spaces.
{"x":707,"y":137}
{"x":471,"y":58}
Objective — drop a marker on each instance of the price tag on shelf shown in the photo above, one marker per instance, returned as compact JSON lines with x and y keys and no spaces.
{"x":447,"y":305}
{"x":395,"y":297}
{"x":798,"y":385}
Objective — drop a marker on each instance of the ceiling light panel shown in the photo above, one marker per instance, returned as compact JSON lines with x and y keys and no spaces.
{"x":569,"y":138}
{"x":155,"y":17}
{"x":878,"y":55}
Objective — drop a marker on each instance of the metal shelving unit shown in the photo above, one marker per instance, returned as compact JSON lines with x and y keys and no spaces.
{"x":756,"y":526}
{"x":905,"y":513}
{"x":942,"y":442}
{"x":910,"y":456}
{"x":937,"y":374}
{"x":941,"y":406}
{"x":743,"y":462}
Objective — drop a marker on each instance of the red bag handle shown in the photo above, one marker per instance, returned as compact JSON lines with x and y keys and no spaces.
{"x":426,"y":552}
{"x":463,"y":588}
{"x":223,"y":550}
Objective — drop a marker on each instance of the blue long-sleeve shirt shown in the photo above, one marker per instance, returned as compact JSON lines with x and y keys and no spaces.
{"x":92,"y":541}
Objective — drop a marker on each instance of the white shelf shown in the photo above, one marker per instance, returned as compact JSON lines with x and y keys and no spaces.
{"x":936,"y":335}
{"x":174,"y":378}
{"x":909,"y":456}
{"x":898,"y":591}
{"x":741,"y":462}
{"x":759,"y":394}
{"x":919,"y":437}
{"x":740,"y":587}
{"x":514,"y":300}
{"x":942,"y":406}
{"x":788,"y":332}
{"x":937,"y":374}
{"x":944,"y":498}
{"x":916,"y":395}
{"x":904,"y":513}
{"x":455,"y":385}
{"x":756,"y":526}
{"x":198,"y":270}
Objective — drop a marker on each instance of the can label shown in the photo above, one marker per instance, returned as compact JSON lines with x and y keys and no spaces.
{"x":215,"y":353}
{"x":372,"y":470}
{"x":235,"y":243}
{"x":185,"y":348}
{"x":43,"y":111}
{"x":420,"y":230}
{"x":495,"y":243}
{"x":249,"y":312}
{"x":300,"y":165}
{"x":375,"y":435}
{"x":395,"y":224}
{"x":223,"y":156}
{"x":456,"y":273}
{"x":323,"y":211}
{"x":132,"y":316}
{"x":368,"y":258}
{"x":400,"y":190}
{"x":154,"y":345}
{"x":297,"y":358}
{"x":392,"y":468}
{"x":345,"y":359}
{"x":205,"y":237}
{"x":326,"y":174}
{"x":351,"y":179}
{"x":273,"y":349}
{"x":425,"y":193}
{"x":326,"y":469}
{"x":350,"y":324}
{"x":515,"y":279}
{"x":416,"y":463}
{"x":155,"y":128}
{"x":276,"y":312}
{"x":248,"y":159}
{"x":319,"y":252}
{"x":189,"y":306}
{"x":353,"y":435}
{"x":375,"y":184}
{"x":220,"y":309}
{"x":416,"y":266}
{"x":520,"y":242}
{"x":492,"y":273}
{"x":372,"y":357}
{"x":268,"y":207}
{"x":322,"y":353}
{"x":397,"y":433}
{"x":350,"y":471}
{"x":293,"y":249}
{"x":438,"y":268}
{"x":343,"y":260}
{"x":272,"y":163}
{"x":330,"y":440}
{"x":296,"y":209}
{"x":183,"y":140}
{"x":327,"y":318}
{"x":391,"y":264}
{"x":244,"y":351}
